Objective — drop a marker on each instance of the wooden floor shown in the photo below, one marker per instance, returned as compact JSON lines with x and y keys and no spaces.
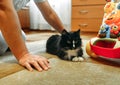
{"x":85,"y":35}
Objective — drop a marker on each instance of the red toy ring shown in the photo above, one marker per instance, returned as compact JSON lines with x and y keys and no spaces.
{"x":105,"y":47}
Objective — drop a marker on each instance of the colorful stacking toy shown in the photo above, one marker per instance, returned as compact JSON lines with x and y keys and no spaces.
{"x":107,"y":43}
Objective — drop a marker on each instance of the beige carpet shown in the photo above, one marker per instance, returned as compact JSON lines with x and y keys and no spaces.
{"x":89,"y":72}
{"x":67,"y":73}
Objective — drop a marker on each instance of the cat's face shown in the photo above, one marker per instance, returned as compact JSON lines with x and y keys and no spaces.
{"x":71,"y":40}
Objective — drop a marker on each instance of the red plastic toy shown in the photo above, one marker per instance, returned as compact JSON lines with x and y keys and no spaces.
{"x":107,"y":42}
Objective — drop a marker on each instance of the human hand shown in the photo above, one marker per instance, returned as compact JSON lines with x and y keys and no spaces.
{"x":38,"y":62}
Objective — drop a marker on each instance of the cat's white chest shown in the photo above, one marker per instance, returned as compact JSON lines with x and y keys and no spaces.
{"x":72,"y":52}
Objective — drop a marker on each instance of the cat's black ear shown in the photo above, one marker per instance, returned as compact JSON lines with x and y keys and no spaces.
{"x":64,"y":32}
{"x":78,"y":31}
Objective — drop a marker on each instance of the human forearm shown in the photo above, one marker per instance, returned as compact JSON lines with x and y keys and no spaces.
{"x":50,"y":16}
{"x":10,"y":28}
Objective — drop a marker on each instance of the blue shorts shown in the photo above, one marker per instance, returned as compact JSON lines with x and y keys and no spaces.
{"x":18,"y":4}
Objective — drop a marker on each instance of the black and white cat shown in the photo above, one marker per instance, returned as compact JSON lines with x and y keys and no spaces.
{"x":66,"y":46}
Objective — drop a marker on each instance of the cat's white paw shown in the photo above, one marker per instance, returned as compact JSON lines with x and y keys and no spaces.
{"x":80,"y":59}
{"x":76,"y":59}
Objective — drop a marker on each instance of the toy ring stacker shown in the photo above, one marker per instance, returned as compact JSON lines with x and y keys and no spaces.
{"x":107,"y":42}
{"x":109,"y":48}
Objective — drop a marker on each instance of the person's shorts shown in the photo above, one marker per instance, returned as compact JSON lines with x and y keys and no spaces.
{"x":18,"y":4}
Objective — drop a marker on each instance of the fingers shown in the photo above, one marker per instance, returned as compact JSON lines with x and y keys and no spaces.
{"x":39,"y":63}
{"x":43,"y":65}
{"x":28,"y":66}
{"x":47,"y":64}
{"x":36,"y":65}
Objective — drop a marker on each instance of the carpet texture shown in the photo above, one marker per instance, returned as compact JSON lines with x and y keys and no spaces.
{"x":89,"y":72}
